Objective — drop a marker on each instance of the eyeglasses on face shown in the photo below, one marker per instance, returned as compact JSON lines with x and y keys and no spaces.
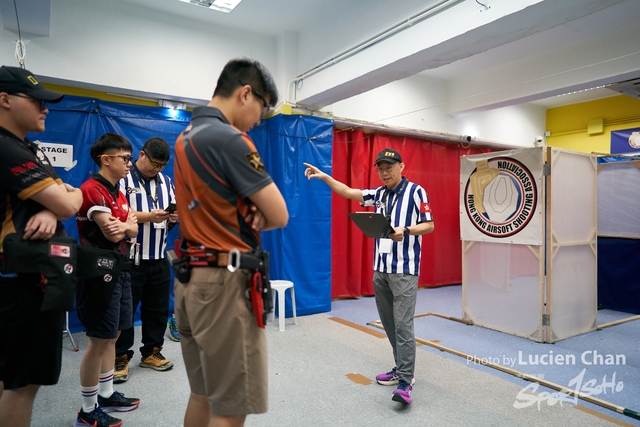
{"x":265,"y":105}
{"x":156,"y":165}
{"x":126,"y":157}
{"x":42,"y":105}
{"x":385,"y":168}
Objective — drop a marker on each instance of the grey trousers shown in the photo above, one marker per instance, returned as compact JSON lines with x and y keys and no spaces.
{"x":396,"y":296}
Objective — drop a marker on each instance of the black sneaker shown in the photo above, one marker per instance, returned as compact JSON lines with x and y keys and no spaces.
{"x":118,"y":403}
{"x":96,"y":418}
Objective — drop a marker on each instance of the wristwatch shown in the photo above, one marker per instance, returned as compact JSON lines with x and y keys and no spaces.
{"x":406,"y":231}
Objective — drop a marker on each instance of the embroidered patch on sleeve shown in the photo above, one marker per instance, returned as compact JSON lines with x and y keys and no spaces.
{"x":425,"y":208}
{"x":255,"y":161}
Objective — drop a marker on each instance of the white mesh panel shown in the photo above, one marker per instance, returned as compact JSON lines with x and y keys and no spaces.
{"x":502,"y":288}
{"x":618,"y":201}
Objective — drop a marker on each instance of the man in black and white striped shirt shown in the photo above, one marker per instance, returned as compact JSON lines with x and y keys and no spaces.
{"x":151,"y":196}
{"x":396,"y":261}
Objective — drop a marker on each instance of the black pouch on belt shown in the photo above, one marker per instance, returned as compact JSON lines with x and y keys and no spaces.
{"x":180,"y":261}
{"x":100,"y":269}
{"x":54,"y":258}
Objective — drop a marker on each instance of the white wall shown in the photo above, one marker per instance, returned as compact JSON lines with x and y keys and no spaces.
{"x":517,"y":125}
{"x":126,"y":47}
{"x":325,"y":37}
{"x":421,"y":103}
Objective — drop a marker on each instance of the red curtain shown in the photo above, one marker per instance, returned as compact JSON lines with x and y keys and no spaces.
{"x":436,"y":167}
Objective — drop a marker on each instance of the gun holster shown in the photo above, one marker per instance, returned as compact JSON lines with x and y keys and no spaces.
{"x":259,"y":290}
{"x":180,"y":262}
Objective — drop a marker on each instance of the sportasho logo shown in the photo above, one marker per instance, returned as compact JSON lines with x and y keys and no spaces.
{"x":500,"y":196}
{"x":593,"y":387}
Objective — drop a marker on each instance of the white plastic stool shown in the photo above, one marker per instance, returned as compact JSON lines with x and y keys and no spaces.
{"x":281,"y":286}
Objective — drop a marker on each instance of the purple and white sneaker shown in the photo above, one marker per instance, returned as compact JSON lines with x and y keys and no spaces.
{"x":403,"y":393}
{"x":391,"y":378}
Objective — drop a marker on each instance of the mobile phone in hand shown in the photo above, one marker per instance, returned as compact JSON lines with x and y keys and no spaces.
{"x":171,"y":208}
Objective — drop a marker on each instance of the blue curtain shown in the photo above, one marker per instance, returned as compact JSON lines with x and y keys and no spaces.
{"x":79,"y":121}
{"x":300,"y":252}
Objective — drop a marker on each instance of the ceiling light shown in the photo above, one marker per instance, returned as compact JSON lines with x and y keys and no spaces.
{"x":225,"y":6}
{"x":172,"y":104}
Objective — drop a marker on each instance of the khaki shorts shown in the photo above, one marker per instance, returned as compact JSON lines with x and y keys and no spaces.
{"x":224,"y":351}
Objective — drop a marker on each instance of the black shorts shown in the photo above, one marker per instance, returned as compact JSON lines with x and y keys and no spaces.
{"x":31,"y":340}
{"x":116,"y":317}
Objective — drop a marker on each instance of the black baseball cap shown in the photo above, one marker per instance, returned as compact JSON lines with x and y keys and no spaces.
{"x":18,"y":80}
{"x":388,"y":155}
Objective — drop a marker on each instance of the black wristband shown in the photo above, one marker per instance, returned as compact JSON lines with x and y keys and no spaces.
{"x":406,"y":231}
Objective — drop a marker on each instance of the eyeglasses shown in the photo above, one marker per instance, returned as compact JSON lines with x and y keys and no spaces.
{"x":42,"y":104}
{"x":156,"y":165}
{"x":126,"y":157}
{"x":265,"y":105}
{"x":385,"y":168}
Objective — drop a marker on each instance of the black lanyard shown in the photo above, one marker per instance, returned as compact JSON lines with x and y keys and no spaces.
{"x":395,"y":200}
{"x":146,"y":183}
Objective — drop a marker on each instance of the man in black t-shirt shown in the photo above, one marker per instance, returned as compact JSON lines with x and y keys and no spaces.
{"x":33,"y":202}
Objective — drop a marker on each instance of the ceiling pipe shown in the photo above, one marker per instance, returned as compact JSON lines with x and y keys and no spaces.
{"x":381,"y":36}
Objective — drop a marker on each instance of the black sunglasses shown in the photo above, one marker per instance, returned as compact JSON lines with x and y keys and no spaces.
{"x":42,"y":104}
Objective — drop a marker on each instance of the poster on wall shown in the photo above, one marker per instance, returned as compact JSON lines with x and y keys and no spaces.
{"x":500,"y":197}
{"x":626,"y":141}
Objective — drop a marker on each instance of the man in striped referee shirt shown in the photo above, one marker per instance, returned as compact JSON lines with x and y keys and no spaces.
{"x":150,"y":193}
{"x":396,"y":259}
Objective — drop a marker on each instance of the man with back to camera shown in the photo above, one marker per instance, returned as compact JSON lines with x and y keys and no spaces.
{"x":396,"y":260}
{"x":225,"y":197}
{"x":104,"y":222}
{"x":33,"y":201}
{"x":149,"y":193}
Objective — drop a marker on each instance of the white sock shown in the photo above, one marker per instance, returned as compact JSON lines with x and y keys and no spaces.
{"x":89,"y":398}
{"x":105,"y":388}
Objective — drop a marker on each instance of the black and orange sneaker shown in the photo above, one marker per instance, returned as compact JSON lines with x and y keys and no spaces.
{"x":96,"y":418}
{"x":118,"y":403}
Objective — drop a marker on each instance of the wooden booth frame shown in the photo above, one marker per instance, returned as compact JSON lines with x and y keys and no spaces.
{"x":545,"y":292}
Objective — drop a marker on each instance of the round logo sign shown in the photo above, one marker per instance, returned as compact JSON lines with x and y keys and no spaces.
{"x":500,"y":196}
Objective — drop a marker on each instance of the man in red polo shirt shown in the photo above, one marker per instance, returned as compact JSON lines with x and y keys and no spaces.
{"x":104,"y":222}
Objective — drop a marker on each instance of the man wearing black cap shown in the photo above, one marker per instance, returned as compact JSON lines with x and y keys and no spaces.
{"x":396,"y":261}
{"x":33,"y":201}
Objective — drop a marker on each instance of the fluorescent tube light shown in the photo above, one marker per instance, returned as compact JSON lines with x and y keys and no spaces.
{"x":225,"y":6}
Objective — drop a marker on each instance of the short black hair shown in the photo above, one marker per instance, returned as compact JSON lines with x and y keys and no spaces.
{"x":245,"y":71}
{"x":157,"y":148}
{"x":107,"y":144}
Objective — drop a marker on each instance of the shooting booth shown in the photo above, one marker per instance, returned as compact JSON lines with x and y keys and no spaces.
{"x":619,"y":234}
{"x":528,"y":224}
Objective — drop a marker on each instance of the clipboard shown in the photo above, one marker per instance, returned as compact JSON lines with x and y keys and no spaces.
{"x":372,"y":224}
